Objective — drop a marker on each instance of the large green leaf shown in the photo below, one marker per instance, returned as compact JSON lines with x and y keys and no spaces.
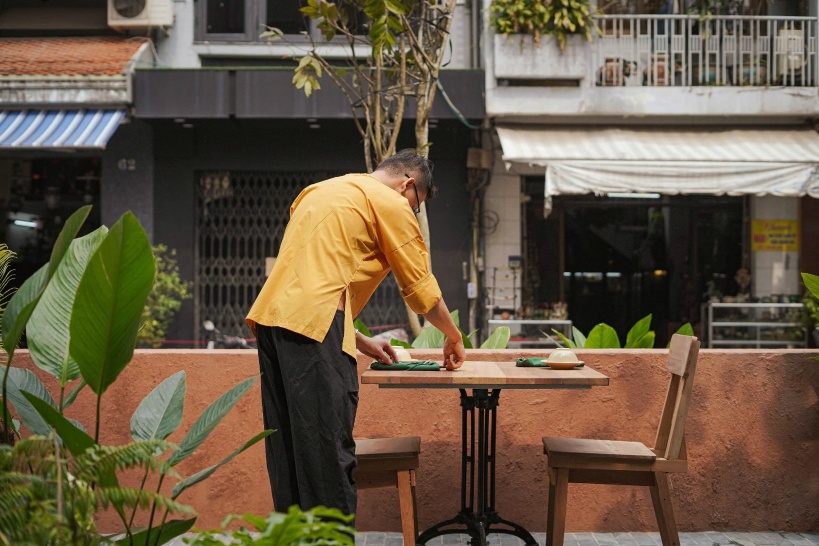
{"x":685,"y":330}
{"x":206,"y":422}
{"x":73,"y":394}
{"x":578,"y":337}
{"x":75,"y":440}
{"x":48,"y":327}
{"x":639,"y":330}
{"x":645,"y":342}
{"x":499,"y":339}
{"x":20,"y":383}
{"x":24,"y":301}
{"x":204,"y":474}
{"x":399,"y":343}
{"x":361,"y":327}
{"x":70,"y":229}
{"x":167,"y":532}
{"x":160,"y":413}
{"x":566,"y":341}
{"x":109,"y":303}
{"x":20,"y":307}
{"x":811,"y":283}
{"x":429,"y":338}
{"x":602,"y":336}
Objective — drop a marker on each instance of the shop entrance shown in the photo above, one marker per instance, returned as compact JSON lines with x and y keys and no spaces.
{"x":616,"y":260}
{"x":37,"y":195}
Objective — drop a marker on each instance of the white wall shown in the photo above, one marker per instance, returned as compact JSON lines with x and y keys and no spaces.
{"x":176,"y":48}
{"x":775,"y":272}
{"x":503,"y":198}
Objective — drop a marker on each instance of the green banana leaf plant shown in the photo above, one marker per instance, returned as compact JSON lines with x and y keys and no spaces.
{"x":432,"y":338}
{"x":812,"y":284}
{"x":81,"y":318}
{"x":603,"y":336}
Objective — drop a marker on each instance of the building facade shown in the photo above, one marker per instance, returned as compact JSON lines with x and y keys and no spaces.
{"x":215,"y":142}
{"x":668,"y":164}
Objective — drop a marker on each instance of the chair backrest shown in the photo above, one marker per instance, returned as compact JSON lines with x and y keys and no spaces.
{"x":682,"y":363}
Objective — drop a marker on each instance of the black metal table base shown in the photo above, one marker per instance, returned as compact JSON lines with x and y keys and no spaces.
{"x":478,"y":516}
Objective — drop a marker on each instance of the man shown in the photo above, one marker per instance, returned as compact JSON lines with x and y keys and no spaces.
{"x":345,"y":234}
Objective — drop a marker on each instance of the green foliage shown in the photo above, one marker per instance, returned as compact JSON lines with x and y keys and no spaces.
{"x":109,"y":303}
{"x":165,"y":299}
{"x":811,"y":283}
{"x":31,"y":474}
{"x":48,"y":337}
{"x":83,"y":317}
{"x":811,"y":301}
{"x":6,"y":276}
{"x":604,"y":336}
{"x":318,"y":526}
{"x":432,"y":338}
{"x":49,"y":497}
{"x":558,"y":18}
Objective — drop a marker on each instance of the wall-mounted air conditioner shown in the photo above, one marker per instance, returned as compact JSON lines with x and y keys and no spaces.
{"x":128,"y":14}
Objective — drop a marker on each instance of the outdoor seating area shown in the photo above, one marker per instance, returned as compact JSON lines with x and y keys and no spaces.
{"x":751,"y":449}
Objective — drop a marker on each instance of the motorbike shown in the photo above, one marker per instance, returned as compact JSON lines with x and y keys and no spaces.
{"x":218,"y":340}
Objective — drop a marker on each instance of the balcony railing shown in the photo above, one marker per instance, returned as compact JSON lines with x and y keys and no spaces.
{"x":686,"y":50}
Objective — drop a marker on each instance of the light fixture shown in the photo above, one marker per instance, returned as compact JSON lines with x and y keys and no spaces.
{"x":315,"y":126}
{"x":628,"y":195}
{"x":187,"y":125}
{"x":25,"y":223}
{"x":179,"y":120}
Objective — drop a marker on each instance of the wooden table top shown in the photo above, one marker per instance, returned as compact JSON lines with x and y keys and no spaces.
{"x":489,"y":375}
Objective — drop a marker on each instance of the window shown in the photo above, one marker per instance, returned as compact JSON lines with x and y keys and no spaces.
{"x":285,"y":16}
{"x":245,"y":20}
{"x":225,"y":17}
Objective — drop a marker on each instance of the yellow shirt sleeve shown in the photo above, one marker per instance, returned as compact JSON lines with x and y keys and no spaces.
{"x":399,"y":238}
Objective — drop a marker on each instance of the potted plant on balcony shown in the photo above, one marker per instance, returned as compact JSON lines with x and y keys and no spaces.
{"x":542,"y":39}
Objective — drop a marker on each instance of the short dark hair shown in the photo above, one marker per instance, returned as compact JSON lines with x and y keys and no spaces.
{"x":413,"y":164}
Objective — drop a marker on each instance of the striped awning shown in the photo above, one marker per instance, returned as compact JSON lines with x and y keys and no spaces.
{"x":75,"y":128}
{"x":783,"y":162}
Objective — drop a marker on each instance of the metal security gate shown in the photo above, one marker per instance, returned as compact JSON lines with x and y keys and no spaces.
{"x":241,"y":217}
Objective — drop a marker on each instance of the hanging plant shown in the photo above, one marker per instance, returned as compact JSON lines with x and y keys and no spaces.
{"x":558,"y":18}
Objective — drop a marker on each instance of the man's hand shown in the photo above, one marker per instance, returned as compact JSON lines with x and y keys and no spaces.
{"x":454,"y":353}
{"x":379,"y":349}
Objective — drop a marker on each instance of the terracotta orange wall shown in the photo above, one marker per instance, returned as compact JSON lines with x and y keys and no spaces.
{"x":753,"y":439}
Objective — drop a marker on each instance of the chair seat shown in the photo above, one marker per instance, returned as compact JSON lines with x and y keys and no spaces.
{"x":391,"y":462}
{"x":378,"y":448}
{"x":584,"y":452}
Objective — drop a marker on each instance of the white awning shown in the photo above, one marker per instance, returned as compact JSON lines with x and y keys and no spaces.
{"x":782,"y":162}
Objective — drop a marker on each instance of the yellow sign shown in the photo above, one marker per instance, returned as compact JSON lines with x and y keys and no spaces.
{"x":775,"y":236}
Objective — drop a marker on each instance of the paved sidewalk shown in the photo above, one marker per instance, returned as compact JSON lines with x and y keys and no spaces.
{"x":709,"y":538}
{"x":613,"y":539}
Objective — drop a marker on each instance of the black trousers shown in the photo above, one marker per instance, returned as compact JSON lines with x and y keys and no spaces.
{"x":309,"y":397}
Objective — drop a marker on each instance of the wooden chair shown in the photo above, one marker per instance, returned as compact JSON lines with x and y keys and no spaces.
{"x":391,"y":462}
{"x":628,"y":463}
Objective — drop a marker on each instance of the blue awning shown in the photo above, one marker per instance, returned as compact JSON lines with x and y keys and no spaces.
{"x":76,"y":128}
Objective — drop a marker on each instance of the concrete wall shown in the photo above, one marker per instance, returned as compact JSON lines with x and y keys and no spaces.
{"x":753,"y":439}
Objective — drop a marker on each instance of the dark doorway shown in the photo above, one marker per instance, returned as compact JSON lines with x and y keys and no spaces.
{"x":617,"y":260}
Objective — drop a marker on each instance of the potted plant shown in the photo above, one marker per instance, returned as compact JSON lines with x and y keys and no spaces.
{"x":549,"y":36}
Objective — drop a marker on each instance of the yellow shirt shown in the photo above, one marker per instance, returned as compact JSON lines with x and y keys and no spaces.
{"x":344,"y":234}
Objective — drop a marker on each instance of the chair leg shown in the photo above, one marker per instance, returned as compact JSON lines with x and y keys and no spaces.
{"x":406,"y":499}
{"x":556,"y":514}
{"x":661,"y":498}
